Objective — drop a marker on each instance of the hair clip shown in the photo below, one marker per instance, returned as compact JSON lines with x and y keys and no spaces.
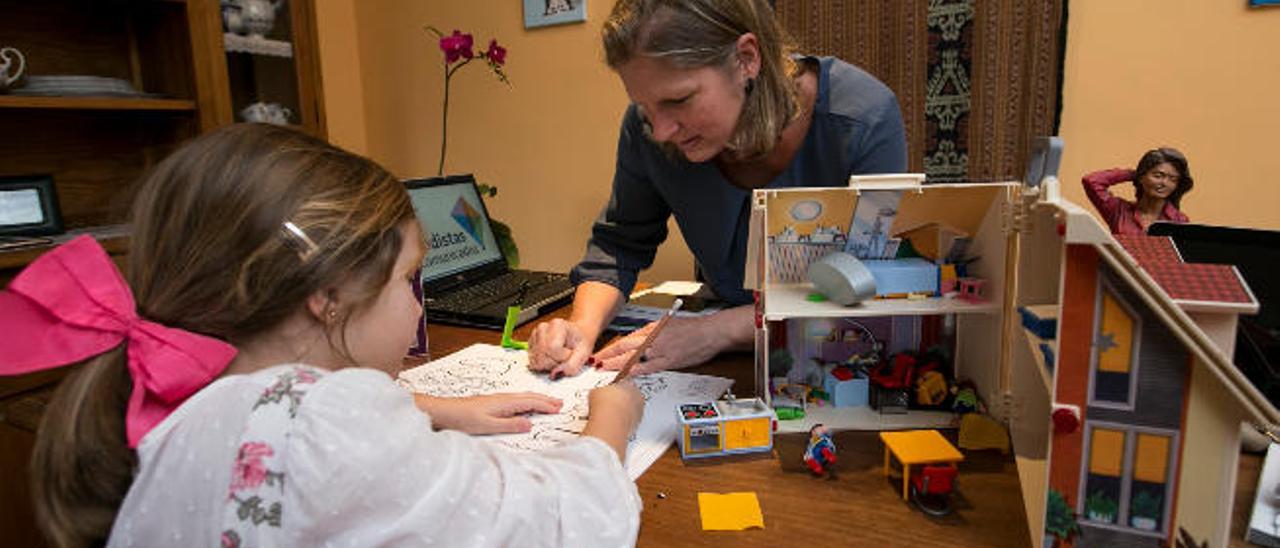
{"x":292,"y":233}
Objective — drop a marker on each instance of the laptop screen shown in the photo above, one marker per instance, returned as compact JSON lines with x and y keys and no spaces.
{"x":456,"y":226}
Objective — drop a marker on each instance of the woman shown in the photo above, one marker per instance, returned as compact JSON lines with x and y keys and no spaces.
{"x":1160,"y":180}
{"x":720,"y":106}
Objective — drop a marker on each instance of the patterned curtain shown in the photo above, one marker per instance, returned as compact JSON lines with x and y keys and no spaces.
{"x":976,"y":79}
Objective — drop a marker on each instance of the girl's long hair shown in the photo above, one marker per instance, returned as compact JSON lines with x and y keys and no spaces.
{"x":208,"y":255}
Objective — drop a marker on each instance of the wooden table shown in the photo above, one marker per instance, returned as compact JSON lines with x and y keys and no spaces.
{"x":857,"y":508}
{"x":913,"y":447}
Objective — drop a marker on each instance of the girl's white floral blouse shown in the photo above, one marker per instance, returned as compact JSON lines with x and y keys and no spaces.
{"x":299,"y":456}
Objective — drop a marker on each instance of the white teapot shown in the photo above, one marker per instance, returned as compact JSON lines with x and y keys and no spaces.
{"x":257,"y":17}
{"x":8,"y":77}
{"x":267,"y":113}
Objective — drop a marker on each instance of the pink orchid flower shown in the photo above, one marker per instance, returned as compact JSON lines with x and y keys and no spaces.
{"x":456,"y":46}
{"x":496,"y":54}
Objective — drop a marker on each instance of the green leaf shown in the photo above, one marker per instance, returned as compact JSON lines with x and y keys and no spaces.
{"x":506,"y":241}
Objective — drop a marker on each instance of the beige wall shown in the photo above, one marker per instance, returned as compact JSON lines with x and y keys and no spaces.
{"x":1194,"y":74}
{"x":547,"y":141}
{"x":340,"y":74}
{"x":1197,"y":75}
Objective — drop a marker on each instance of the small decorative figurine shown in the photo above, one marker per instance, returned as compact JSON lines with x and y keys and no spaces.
{"x":965,"y":398}
{"x":821,"y":452}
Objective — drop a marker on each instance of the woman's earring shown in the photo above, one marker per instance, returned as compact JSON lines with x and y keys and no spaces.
{"x":751,"y":85}
{"x":333,"y":316}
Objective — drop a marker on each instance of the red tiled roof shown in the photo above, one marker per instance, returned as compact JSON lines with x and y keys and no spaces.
{"x":1184,"y":281}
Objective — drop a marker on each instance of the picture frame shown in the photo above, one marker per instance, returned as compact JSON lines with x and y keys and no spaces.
{"x":1263,"y":3}
{"x":542,"y":13}
{"x":29,"y":206}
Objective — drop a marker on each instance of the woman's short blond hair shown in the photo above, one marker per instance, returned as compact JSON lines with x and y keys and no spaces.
{"x":704,"y":33}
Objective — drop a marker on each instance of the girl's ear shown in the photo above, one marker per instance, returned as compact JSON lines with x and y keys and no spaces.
{"x":323,"y":305}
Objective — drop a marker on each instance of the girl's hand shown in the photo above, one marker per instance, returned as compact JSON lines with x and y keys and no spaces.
{"x":616,"y":409}
{"x":559,"y":346}
{"x":490,"y":414}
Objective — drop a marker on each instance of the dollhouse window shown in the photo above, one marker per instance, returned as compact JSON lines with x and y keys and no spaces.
{"x":1126,"y":480}
{"x":1105,"y":475}
{"x":1114,"y":370}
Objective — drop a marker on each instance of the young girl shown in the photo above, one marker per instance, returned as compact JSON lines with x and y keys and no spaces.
{"x":1160,"y":180}
{"x":247,"y":397}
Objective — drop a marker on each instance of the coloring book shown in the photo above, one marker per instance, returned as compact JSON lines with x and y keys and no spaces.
{"x":486,"y":369}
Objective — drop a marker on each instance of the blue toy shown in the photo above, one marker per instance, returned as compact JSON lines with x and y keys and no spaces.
{"x":821,"y":452}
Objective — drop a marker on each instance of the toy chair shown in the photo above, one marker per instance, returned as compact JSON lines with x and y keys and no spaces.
{"x":895,"y":374}
{"x":892,"y":383}
{"x":931,"y":489}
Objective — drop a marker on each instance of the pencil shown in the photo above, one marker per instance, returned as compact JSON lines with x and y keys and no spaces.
{"x":653,"y":335}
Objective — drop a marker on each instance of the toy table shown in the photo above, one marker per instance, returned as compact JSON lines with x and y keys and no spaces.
{"x":912,"y":447}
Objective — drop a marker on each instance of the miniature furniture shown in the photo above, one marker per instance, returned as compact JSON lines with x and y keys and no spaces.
{"x":917,"y":447}
{"x":846,"y":388}
{"x":724,"y":427}
{"x":972,"y":289}
{"x":892,"y":383}
{"x":931,"y":489}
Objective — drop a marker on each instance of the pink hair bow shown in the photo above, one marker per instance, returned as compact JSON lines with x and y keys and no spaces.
{"x":72,"y":304}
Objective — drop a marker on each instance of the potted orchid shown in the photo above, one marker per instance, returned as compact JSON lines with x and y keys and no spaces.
{"x":458,"y":49}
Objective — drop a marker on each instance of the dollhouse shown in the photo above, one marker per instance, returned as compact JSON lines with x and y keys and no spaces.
{"x":1105,"y":359}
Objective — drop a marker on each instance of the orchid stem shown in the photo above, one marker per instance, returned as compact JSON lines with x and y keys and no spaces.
{"x":444,"y":115}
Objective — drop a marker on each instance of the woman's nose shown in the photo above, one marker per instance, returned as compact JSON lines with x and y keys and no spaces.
{"x":663,"y":127}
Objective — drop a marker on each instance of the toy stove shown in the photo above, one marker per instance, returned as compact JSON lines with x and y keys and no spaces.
{"x":725,"y":427}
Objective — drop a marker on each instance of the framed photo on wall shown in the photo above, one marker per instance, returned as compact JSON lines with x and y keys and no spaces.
{"x":1256,"y":3}
{"x":541,"y":13}
{"x":29,"y":206}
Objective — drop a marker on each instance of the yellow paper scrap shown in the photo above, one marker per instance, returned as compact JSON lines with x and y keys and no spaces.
{"x":730,"y":511}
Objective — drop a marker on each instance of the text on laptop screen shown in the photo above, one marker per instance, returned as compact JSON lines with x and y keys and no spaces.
{"x":457,"y":229}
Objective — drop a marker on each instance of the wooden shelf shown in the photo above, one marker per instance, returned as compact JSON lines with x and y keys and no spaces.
{"x":96,"y":103}
{"x":114,"y":238}
{"x":866,"y":418}
{"x":257,"y":45}
{"x":789,"y":301}
{"x":1033,"y":344}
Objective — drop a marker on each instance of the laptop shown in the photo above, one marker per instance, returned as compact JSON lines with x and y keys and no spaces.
{"x":465,"y":277}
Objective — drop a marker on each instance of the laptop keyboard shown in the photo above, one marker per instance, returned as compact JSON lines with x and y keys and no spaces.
{"x":501,"y":287}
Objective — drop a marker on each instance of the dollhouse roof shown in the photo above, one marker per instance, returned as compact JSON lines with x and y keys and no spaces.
{"x":1186,"y":282}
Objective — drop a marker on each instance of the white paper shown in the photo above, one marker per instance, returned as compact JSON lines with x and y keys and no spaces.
{"x":677,"y":287}
{"x":487,"y":369}
{"x":1264,"y":521}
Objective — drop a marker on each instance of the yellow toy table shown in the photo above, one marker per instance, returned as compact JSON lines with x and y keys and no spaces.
{"x":913,"y":447}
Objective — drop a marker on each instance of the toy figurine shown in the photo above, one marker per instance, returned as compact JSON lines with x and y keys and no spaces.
{"x":965,"y":398}
{"x":821,"y":452}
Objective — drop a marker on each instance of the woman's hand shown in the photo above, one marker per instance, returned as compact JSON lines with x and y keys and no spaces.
{"x":616,"y":409}
{"x":559,"y":346}
{"x":683,"y":342}
{"x":491,"y":414}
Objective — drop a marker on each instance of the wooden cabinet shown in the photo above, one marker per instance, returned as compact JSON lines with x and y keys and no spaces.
{"x":190,"y":75}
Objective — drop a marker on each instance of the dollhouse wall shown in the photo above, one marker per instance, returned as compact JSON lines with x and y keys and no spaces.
{"x":1211,"y":451}
{"x":1158,"y":376}
{"x":1039,"y":253}
{"x":980,"y":356}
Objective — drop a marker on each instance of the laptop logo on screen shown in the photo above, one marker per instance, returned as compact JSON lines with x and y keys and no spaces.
{"x":470,"y":220}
